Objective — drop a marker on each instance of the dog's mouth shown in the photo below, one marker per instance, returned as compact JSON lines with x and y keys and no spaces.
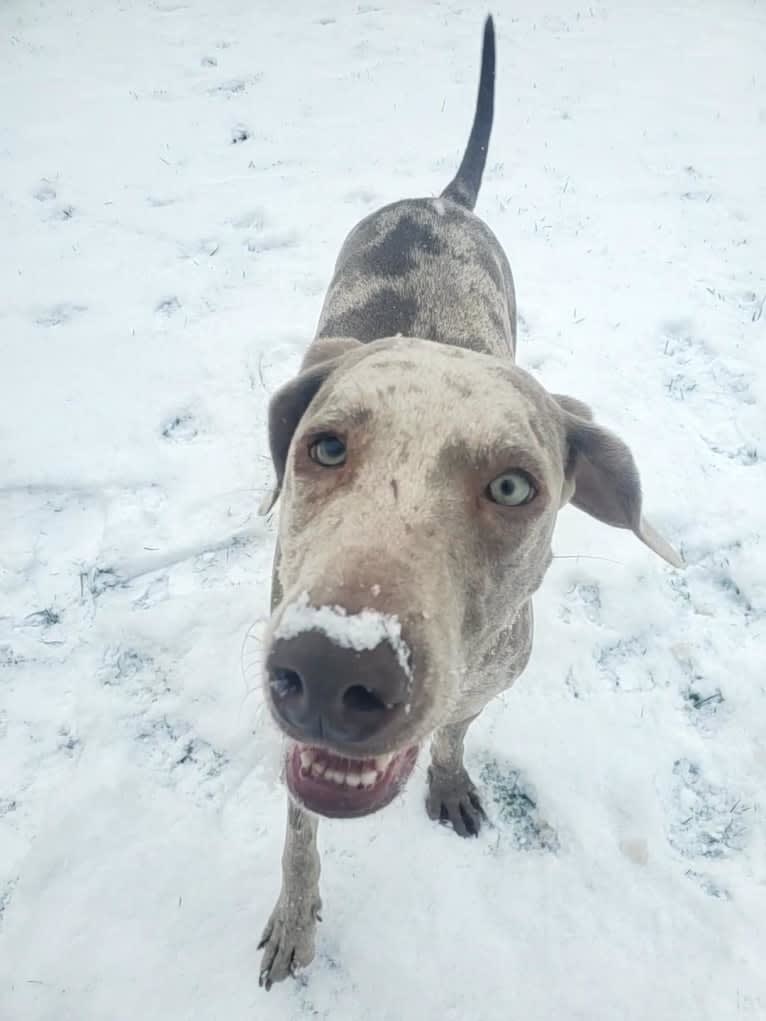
{"x":341,"y":787}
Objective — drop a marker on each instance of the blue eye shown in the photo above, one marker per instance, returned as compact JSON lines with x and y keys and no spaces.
{"x":329,"y":451}
{"x":511,"y":489}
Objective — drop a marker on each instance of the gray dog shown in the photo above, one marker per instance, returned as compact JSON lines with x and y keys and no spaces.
{"x":420,"y":473}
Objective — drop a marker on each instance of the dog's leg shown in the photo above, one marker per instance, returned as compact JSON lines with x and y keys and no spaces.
{"x":288,"y":939}
{"x":452,"y":797}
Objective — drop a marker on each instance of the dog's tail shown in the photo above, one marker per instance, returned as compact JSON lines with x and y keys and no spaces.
{"x":464,"y":187}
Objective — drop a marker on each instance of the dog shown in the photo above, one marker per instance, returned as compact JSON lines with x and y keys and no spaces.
{"x":420,"y":473}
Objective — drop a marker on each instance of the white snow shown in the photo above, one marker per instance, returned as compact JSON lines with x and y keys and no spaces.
{"x":366,"y":629}
{"x":176,"y":179}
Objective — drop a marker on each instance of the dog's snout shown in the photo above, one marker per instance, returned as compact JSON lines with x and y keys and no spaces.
{"x":324,"y":691}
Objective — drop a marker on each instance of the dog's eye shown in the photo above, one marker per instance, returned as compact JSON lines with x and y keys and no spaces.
{"x":511,"y":489}
{"x":328,"y":451}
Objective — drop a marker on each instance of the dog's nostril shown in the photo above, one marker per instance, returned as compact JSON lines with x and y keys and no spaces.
{"x":286,"y":683}
{"x":361,"y":699}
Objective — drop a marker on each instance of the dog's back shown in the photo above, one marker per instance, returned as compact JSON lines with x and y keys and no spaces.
{"x":429,"y":267}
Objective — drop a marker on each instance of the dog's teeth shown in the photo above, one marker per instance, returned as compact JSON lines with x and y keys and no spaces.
{"x":335,"y":775}
{"x":353,"y":779}
{"x":307,"y":757}
{"x":317,"y":768}
{"x":368,"y":778}
{"x":382,"y":761}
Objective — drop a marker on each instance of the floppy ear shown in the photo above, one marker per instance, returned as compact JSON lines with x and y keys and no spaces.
{"x":601,"y":478}
{"x":289,"y":403}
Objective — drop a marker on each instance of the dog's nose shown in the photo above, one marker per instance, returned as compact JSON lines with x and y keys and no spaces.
{"x":322,"y":690}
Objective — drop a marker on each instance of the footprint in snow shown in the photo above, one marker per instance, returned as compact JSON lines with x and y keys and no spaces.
{"x":181,"y":427}
{"x":253,"y":219}
{"x":516,"y":811}
{"x":272,"y":242}
{"x":708,"y":885}
{"x":123,"y":663}
{"x":5,"y":897}
{"x":42,"y":618}
{"x":206,"y":247}
{"x":707,"y":821}
{"x":58,"y":315}
{"x":9,"y":658}
{"x":622,"y":662}
{"x":45,"y":192}
{"x":361,"y":195}
{"x":186,"y":760}
{"x":582,"y":600}
{"x":62,"y":213}
{"x":168,"y":306}
{"x":7,"y":805}
{"x":234,"y":87}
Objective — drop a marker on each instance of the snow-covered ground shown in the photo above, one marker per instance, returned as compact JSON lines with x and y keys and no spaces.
{"x":176,"y":179}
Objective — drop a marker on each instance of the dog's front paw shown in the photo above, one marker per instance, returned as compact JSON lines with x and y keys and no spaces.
{"x":452,"y":798}
{"x":288,"y":940}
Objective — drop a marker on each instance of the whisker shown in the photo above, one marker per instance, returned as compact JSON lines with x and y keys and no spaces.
{"x":249,"y":637}
{"x":260,"y":375}
{"x":586,"y":556}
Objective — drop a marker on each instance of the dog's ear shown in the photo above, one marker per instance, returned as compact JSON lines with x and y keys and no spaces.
{"x":601,"y":478}
{"x":289,"y":403}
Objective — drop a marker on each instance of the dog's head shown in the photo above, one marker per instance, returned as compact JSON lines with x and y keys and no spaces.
{"x":420,"y":486}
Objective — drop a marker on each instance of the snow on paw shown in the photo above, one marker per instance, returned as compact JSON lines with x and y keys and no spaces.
{"x":288,"y":941}
{"x":453,"y":800}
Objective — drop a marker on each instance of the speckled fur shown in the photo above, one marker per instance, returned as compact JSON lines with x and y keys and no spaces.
{"x":423,"y":268}
{"x":405,"y":527}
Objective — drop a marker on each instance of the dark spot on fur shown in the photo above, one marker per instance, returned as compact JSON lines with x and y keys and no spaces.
{"x":455,"y":457}
{"x":484,"y":261}
{"x":397,"y":251}
{"x":359,"y":417}
{"x":541,"y":432}
{"x":384,"y":314}
{"x":354,"y":416}
{"x":458,"y":386}
{"x":500,"y":324}
{"x":397,"y":388}
{"x":395,"y":488}
{"x":404,"y":364}
{"x":501,"y":372}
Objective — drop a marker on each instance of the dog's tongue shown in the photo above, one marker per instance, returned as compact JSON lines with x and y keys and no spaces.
{"x":340,"y":787}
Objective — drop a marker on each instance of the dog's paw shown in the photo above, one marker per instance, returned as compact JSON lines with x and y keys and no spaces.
{"x":288,"y":940}
{"x":453,"y":799}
